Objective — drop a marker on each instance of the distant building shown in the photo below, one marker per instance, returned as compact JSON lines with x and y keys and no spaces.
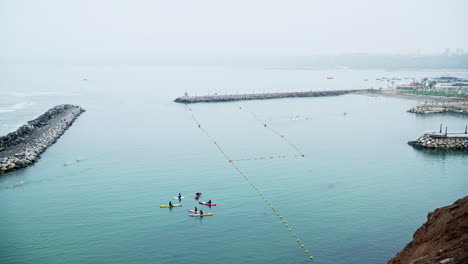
{"x":410,"y":86}
{"x":460,"y":84}
{"x":447,"y":79}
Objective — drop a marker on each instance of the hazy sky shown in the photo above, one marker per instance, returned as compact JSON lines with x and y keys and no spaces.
{"x":217,"y":27}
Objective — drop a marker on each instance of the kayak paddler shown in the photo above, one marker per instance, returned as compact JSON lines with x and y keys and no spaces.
{"x":180,"y":196}
{"x":170,"y":204}
{"x":201,"y":212}
{"x":196,"y":210}
{"x":209,"y":201}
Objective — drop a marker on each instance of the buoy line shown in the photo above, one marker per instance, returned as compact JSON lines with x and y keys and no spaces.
{"x":273,"y":130}
{"x":253,"y":186}
{"x":268,"y":157}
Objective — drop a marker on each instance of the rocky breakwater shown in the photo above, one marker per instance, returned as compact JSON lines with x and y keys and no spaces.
{"x":432,"y":109}
{"x":23,"y":147}
{"x":442,"y":239}
{"x":440,"y":141}
{"x":263,"y":96}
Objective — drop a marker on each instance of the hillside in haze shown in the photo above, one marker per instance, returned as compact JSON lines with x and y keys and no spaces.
{"x":352,"y":61}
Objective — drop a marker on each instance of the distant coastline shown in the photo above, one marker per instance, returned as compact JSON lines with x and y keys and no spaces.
{"x":396,"y":94}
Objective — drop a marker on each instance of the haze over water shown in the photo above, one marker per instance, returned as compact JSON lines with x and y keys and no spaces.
{"x":357,"y":196}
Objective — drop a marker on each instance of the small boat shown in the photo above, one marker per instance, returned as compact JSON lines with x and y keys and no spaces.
{"x":208,"y":214}
{"x":209,"y":204}
{"x":167,"y":206}
{"x":177,"y":197}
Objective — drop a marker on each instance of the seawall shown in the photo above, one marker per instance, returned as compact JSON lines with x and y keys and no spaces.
{"x":440,"y":141}
{"x":23,"y":147}
{"x":262,"y":96}
{"x":432,"y":109}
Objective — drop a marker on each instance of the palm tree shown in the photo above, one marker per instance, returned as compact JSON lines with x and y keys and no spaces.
{"x":431,"y":84}
{"x":424,"y":83}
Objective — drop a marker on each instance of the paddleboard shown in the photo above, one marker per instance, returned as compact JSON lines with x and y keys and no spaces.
{"x":209,"y":214}
{"x":167,"y":206}
{"x":209,"y":204}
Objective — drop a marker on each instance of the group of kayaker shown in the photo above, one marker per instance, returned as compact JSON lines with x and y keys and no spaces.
{"x":197,"y":196}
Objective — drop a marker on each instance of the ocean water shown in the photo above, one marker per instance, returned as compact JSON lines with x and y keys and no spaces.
{"x":357,"y":196}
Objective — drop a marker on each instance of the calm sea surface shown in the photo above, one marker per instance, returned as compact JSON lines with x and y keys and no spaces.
{"x":357,"y":196}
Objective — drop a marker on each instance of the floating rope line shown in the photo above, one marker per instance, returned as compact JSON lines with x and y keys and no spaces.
{"x":254,"y":187}
{"x":261,"y":158}
{"x":268,"y":157}
{"x":273,"y":130}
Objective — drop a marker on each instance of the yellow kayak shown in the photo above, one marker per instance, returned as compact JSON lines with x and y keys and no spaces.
{"x":167,"y":206}
{"x":200,"y":214}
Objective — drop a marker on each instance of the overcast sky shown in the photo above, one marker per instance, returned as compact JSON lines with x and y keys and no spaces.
{"x":221,"y":27}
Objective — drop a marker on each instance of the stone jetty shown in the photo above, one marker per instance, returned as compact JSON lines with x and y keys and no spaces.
{"x":441,"y":141}
{"x":260,"y":96}
{"x":432,"y":109}
{"x":23,"y":147}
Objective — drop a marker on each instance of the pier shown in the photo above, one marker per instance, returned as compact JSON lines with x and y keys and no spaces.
{"x":23,"y":147}
{"x":441,"y":140}
{"x":186,"y":99}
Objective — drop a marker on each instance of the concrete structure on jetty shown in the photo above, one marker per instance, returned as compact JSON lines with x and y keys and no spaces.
{"x":436,"y":140}
{"x":22,"y":148}
{"x":262,"y":96}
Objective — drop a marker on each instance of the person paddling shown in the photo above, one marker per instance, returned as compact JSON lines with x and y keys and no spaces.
{"x":196,"y":210}
{"x":201,"y":212}
{"x":170,"y":204}
{"x":180,"y":196}
{"x":209,"y":201}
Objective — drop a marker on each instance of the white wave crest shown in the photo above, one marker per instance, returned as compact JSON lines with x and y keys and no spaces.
{"x":34,"y":94}
{"x":13,"y":108}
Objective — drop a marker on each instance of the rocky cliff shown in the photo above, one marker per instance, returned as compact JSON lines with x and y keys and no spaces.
{"x":442,"y":239}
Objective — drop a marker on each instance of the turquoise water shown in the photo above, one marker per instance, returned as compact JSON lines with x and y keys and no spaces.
{"x":357,"y":196}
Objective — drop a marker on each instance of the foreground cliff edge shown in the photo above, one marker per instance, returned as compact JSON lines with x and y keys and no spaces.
{"x":23,"y":147}
{"x":442,"y":239}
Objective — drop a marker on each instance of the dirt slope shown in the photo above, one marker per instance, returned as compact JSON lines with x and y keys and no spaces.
{"x":442,"y":239}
